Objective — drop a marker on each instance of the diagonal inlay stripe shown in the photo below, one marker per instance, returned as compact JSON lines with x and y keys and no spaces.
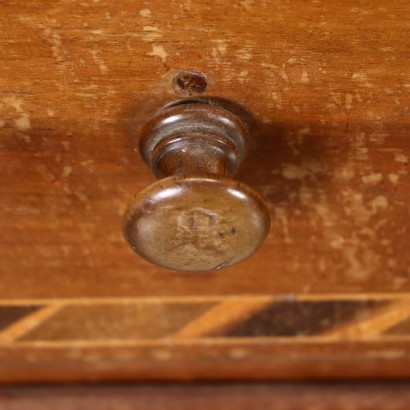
{"x":136,"y":321}
{"x":27,"y":323}
{"x":9,"y":314}
{"x":223,"y":315}
{"x":373,"y":326}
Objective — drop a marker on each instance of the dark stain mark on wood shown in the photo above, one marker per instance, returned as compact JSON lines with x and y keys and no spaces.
{"x":11,"y":314}
{"x":299,"y":318}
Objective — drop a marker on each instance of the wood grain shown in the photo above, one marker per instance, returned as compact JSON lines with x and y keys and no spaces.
{"x":359,"y":396}
{"x":207,"y":338}
{"x":326,"y":85}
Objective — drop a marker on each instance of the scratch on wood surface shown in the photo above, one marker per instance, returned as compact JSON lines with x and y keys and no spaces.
{"x":22,"y":122}
{"x":145,"y":13}
{"x":158,"y":50}
{"x":99,"y":61}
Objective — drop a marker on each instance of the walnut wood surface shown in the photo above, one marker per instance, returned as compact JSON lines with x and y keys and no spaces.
{"x":328,"y":86}
{"x":312,"y":396}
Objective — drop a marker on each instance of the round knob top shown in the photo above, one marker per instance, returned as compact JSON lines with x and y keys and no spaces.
{"x":196,"y":223}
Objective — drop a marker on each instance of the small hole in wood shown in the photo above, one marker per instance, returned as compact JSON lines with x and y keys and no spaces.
{"x":190,"y":83}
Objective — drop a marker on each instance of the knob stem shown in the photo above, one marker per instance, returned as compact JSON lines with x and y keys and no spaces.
{"x":194,"y":153}
{"x":194,"y":139}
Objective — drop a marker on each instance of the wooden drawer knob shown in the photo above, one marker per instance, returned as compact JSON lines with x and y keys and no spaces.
{"x":195,"y":217}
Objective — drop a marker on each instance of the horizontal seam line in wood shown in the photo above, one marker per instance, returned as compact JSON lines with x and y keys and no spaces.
{"x":225,"y":314}
{"x":27,"y":323}
{"x":385,"y":342}
{"x":381,"y":319}
{"x":285,"y":297}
